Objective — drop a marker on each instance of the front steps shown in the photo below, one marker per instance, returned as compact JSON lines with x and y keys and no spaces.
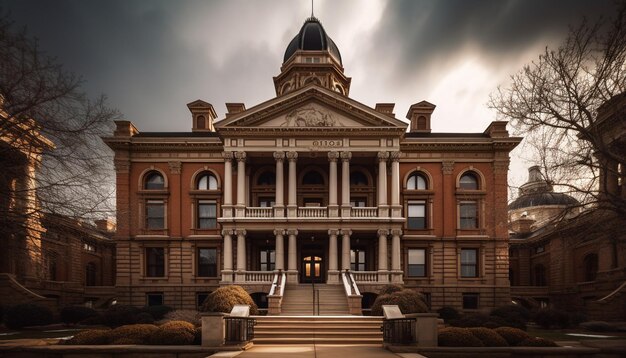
{"x":318,"y":329}
{"x":298,"y":300}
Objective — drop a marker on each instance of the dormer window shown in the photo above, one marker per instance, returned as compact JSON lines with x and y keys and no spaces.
{"x":200,"y":122}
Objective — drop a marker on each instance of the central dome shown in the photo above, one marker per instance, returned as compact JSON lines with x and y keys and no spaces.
{"x":312,"y":37}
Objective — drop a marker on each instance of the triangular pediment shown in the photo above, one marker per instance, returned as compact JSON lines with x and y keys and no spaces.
{"x":311,"y":107}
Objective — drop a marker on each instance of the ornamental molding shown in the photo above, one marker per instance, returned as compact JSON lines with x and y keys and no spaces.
{"x":228,"y":156}
{"x":396,"y":232}
{"x":345,"y":232}
{"x":292,"y":156}
{"x":279,"y":156}
{"x":447,"y":167}
{"x":175,"y":167}
{"x":292,"y":232}
{"x":280,"y":232}
{"x":309,"y":116}
{"x":240,"y":156}
{"x":334,"y":232}
{"x":333,"y":156}
{"x":240,"y":232}
{"x":346,"y":156}
{"x":394,"y":156}
{"x":382,"y":156}
{"x":227,"y":232}
{"x":382,"y":232}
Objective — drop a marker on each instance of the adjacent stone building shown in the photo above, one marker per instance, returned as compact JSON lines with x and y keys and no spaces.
{"x":312,"y":187}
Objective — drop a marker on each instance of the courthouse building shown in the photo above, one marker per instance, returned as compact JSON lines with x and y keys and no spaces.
{"x":312,"y":186}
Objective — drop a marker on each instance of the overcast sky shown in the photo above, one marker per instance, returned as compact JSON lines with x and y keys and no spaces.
{"x":153,"y":57}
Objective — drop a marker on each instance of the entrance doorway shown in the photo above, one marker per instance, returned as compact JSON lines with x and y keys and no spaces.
{"x":312,"y":267}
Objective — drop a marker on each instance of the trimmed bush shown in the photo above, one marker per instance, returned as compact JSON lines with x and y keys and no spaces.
{"x":478,"y":320}
{"x":448,"y":313}
{"x":537,"y":342}
{"x":197,"y":337}
{"x":27,"y":314}
{"x":191,"y":316}
{"x":507,"y":311}
{"x":389,"y":289}
{"x":90,"y":337}
{"x":513,"y":336}
{"x":120,"y":315}
{"x":144,"y":318}
{"x":550,"y":317}
{"x":458,"y":337}
{"x":408,"y":300}
{"x":76,"y":314}
{"x":93,"y":321}
{"x":174,"y":333}
{"x":226,"y":297}
{"x":598,"y":326}
{"x":132,"y":334}
{"x":157,"y":312}
{"x":576,"y":318}
{"x":489,"y":337}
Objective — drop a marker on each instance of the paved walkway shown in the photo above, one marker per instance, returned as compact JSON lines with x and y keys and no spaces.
{"x":317,"y":351}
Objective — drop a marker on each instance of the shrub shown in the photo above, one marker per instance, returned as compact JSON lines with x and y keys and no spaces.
{"x":458,"y":337}
{"x":174,"y":333}
{"x":89,"y":337}
{"x":598,"y":326}
{"x":489,"y":337}
{"x":145,"y":318}
{"x":191,"y":316}
{"x":27,"y":314}
{"x":197,"y":337}
{"x":389,"y":289}
{"x":448,"y":313}
{"x":576,"y":318}
{"x":132,"y":334}
{"x":507,"y":311}
{"x":478,"y":320}
{"x":550,"y":317}
{"x":513,"y":336}
{"x":226,"y":297}
{"x":409,"y":301}
{"x":120,"y":315}
{"x":537,"y":342}
{"x":157,"y":312}
{"x":93,"y":321}
{"x":76,"y":314}
{"x":1,"y":313}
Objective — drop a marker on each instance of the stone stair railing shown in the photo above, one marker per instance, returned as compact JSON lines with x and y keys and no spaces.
{"x":353,"y":295}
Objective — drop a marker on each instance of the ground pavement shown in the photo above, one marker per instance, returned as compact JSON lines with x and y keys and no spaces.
{"x":315,"y":351}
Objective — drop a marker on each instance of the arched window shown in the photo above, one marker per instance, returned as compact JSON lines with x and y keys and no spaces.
{"x":417,"y":181}
{"x":539,"y":273}
{"x":469,"y":181}
{"x":266,"y":178}
{"x":200,"y":122}
{"x":312,"y":177}
{"x":358,"y":178}
{"x":421,"y":123}
{"x":590,"y":265}
{"x":207,"y":181}
{"x":90,"y":274}
{"x":154,"y":181}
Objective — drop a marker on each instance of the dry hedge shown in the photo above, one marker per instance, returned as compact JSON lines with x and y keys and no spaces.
{"x":90,"y":337}
{"x":173,"y":333}
{"x":537,"y":342}
{"x":408,"y":300}
{"x":458,"y":337}
{"x":489,"y":337}
{"x":131,"y":334}
{"x":191,"y":316}
{"x":226,"y":297}
{"x":513,"y":336}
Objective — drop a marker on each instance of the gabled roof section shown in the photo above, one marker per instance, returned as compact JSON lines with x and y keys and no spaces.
{"x":311,"y":107}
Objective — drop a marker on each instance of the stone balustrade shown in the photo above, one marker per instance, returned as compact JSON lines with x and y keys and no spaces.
{"x":259,"y":276}
{"x":364,"y":212}
{"x":259,"y":212}
{"x":365,"y":276}
{"x":313,"y":212}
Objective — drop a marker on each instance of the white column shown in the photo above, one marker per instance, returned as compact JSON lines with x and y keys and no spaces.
{"x":396,"y":252}
{"x":227,"y":272}
{"x":396,"y":208}
{"x":292,"y":268}
{"x":345,"y":183}
{"x":383,"y":275}
{"x":227,"y":210}
{"x":333,"y":276}
{"x":241,"y":255}
{"x":345,"y":249}
{"x":280,"y":249}
{"x":332,"y":190}
{"x":382,"y":184}
{"x":279,"y":207}
{"x":292,"y":206}
{"x":241,"y":183}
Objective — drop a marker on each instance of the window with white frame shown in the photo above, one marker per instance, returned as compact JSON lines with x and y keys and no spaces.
{"x":207,"y":262}
{"x":155,"y":261}
{"x":207,"y":181}
{"x":267,"y":260}
{"x":357,"y":260}
{"x":155,"y":214}
{"x":416,"y":181}
{"x":207,"y":214}
{"x":416,"y":216}
{"x":468,"y":214}
{"x":417,"y":263}
{"x":469,"y":262}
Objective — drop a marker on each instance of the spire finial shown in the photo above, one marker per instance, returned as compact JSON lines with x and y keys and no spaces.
{"x":312,"y":9}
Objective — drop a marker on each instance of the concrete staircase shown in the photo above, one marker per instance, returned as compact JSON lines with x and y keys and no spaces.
{"x":318,"y":329}
{"x":298,"y":300}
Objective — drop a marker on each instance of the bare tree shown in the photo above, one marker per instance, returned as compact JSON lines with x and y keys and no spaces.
{"x":555,"y":100}
{"x":46,"y":118}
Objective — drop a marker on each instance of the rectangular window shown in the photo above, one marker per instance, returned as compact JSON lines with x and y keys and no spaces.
{"x":154,"y":299}
{"x":468,"y":215}
{"x":207,"y":262}
{"x":268,"y":260}
{"x":469,"y":262}
{"x":470,"y":301}
{"x":357,"y":260}
{"x":267,"y":202}
{"x":155,"y":214}
{"x":417,"y":263}
{"x":416,"y":218}
{"x":207,"y":214}
{"x":155,"y":262}
{"x":88,"y":246}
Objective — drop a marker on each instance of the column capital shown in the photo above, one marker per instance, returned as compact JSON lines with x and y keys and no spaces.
{"x":334,"y":232}
{"x":279,"y":156}
{"x":175,"y":167}
{"x":345,"y":156}
{"x":240,"y":232}
{"x":228,"y":156}
{"x":345,"y":232}
{"x":292,"y":232}
{"x":394,"y":156}
{"x":333,"y":156}
{"x":279,"y":232}
{"x":382,"y":156}
{"x":240,"y":156}
{"x":383,"y":232}
{"x":396,"y":232}
{"x":447,"y":167}
{"x":292,"y":156}
{"x":227,"y":232}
